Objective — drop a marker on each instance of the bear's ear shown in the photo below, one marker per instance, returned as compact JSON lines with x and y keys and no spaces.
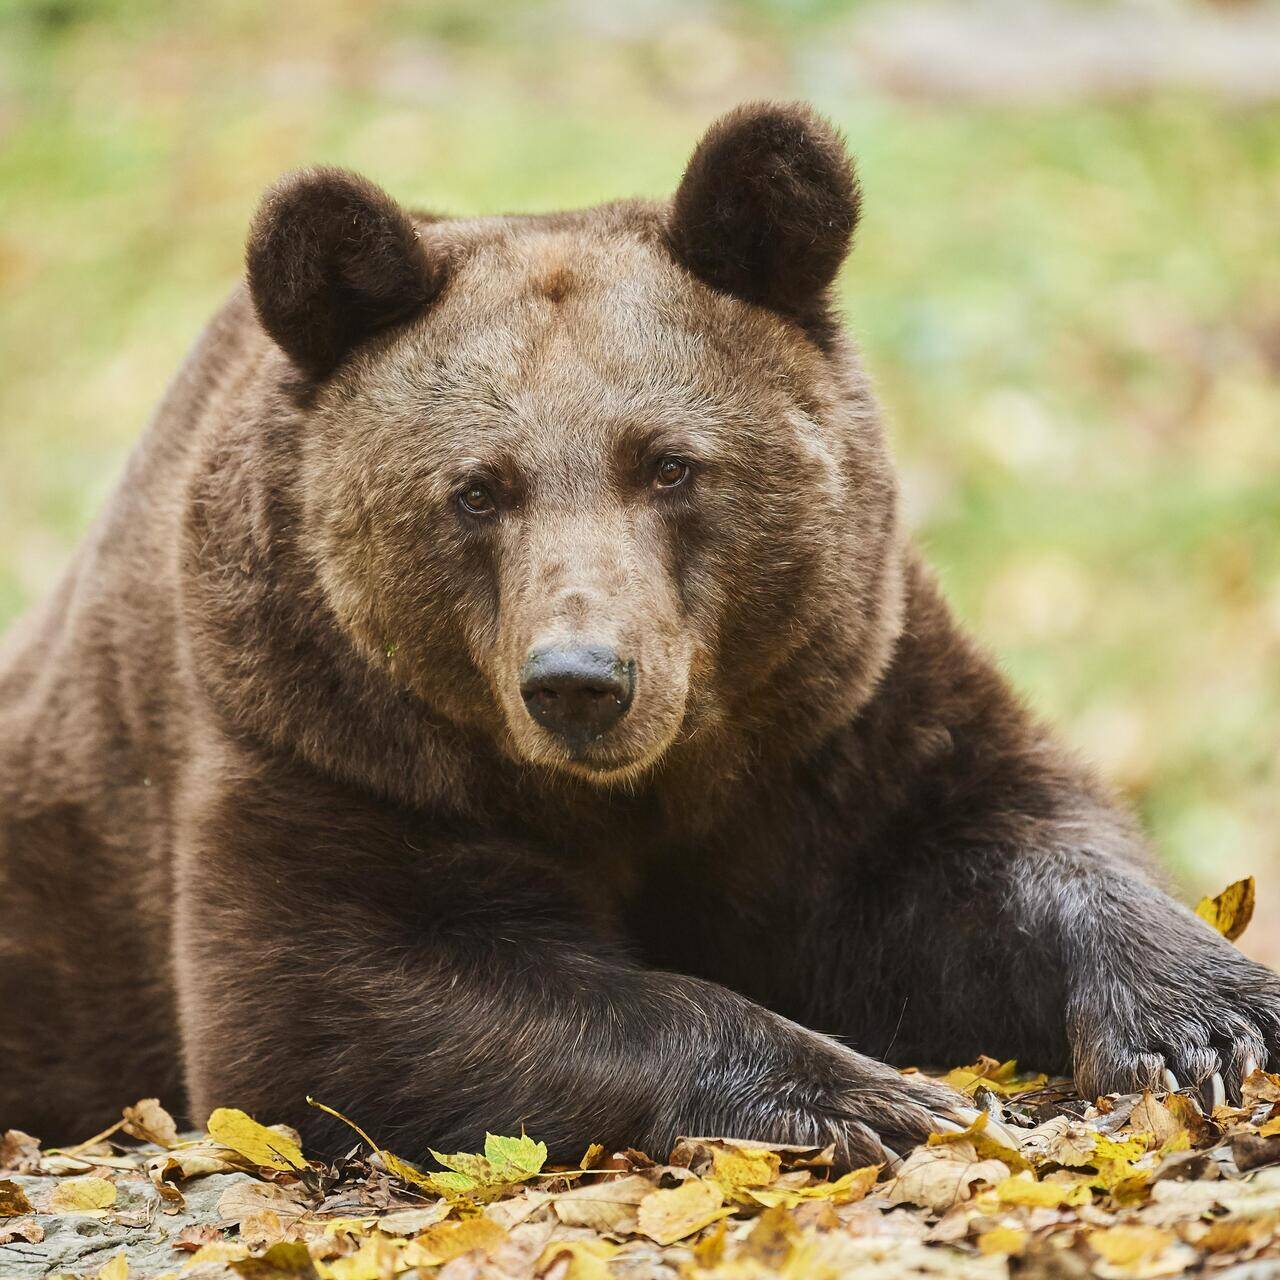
{"x":332,"y":259}
{"x":767,"y":207}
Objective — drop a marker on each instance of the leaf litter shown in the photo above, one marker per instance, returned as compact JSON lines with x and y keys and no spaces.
{"x":1126,"y":1187}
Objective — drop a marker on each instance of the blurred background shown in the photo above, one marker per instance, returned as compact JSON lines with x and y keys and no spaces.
{"x":1066,"y":285}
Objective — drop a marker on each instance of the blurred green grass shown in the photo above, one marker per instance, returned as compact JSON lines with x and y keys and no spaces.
{"x":1072,"y":313}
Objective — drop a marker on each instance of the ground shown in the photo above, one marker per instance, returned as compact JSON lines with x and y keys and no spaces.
{"x":1135,"y":1187}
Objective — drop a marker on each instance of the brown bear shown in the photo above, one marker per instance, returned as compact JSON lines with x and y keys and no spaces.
{"x":501,"y":692}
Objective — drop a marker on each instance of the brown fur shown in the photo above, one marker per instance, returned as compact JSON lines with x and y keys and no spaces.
{"x":274,"y":819}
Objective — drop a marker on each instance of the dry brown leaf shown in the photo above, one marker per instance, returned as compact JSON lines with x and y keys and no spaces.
{"x":1151,"y":1116}
{"x":668,"y":1216}
{"x":25,"y":1229}
{"x":409,"y":1222}
{"x":196,"y":1236}
{"x":148,"y":1121}
{"x":19,"y":1152}
{"x":244,"y":1200}
{"x":1232,"y":909}
{"x":13,"y":1200}
{"x":1261,"y":1086}
{"x":938,"y":1177}
{"x":608,"y":1206}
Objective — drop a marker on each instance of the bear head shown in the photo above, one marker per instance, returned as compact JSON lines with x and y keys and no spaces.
{"x":606,"y":486}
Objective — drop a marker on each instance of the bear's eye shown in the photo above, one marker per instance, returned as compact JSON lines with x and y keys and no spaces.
{"x":670,"y":472}
{"x":476,"y":500}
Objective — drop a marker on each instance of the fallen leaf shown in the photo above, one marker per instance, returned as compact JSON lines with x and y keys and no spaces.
{"x":25,"y":1229}
{"x":13,"y":1200}
{"x":847,"y":1189}
{"x":604,"y":1206}
{"x":1232,"y":909}
{"x":448,"y":1240}
{"x":735,"y":1168}
{"x":771,"y":1239}
{"x":576,"y":1260}
{"x":19,"y":1151}
{"x":1138,"y":1252}
{"x":1010,"y":1241}
{"x":263,"y":1147}
{"x":82,"y":1195}
{"x":670,"y":1215}
{"x":999,"y":1077}
{"x":1051,"y":1193}
{"x":1153,"y":1117}
{"x":938,"y":1177}
{"x":148,"y":1121}
{"x":116,"y":1269}
{"x":984,"y":1142}
{"x":195,"y":1236}
{"x":1260,"y":1086}
{"x":287,"y":1260}
{"x":243,"y":1200}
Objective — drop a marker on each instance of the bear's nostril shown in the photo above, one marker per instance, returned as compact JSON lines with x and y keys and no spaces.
{"x":578,"y":694}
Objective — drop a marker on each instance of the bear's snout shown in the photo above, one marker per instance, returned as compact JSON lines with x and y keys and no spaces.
{"x":578,"y":693}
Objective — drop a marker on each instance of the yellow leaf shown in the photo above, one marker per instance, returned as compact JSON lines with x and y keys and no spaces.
{"x":285,"y":1260}
{"x":986,"y":1144}
{"x":1051,"y":1194}
{"x":847,"y":1189}
{"x":116,"y":1269}
{"x":1270,"y":1129}
{"x":1127,"y":1149}
{"x":447,"y":1240}
{"x":377,"y":1258}
{"x":587,"y":1259}
{"x":218,"y":1251}
{"x":772,"y":1239}
{"x":1231,"y":911}
{"x":1002,"y":1240}
{"x":999,"y":1077}
{"x":594,"y":1152}
{"x":266,"y":1148}
{"x":82,"y":1195}
{"x":734,"y":1168}
{"x":668,"y":1216}
{"x":1126,"y":1246}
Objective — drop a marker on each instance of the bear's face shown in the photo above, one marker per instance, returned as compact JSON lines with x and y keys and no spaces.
{"x":587,"y":496}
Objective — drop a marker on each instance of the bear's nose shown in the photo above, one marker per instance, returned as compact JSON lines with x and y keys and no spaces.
{"x":579,"y":694}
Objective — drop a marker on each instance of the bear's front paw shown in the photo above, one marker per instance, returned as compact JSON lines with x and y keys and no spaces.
{"x":870,"y":1112}
{"x":1202,"y":1016}
{"x":883,"y":1114}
